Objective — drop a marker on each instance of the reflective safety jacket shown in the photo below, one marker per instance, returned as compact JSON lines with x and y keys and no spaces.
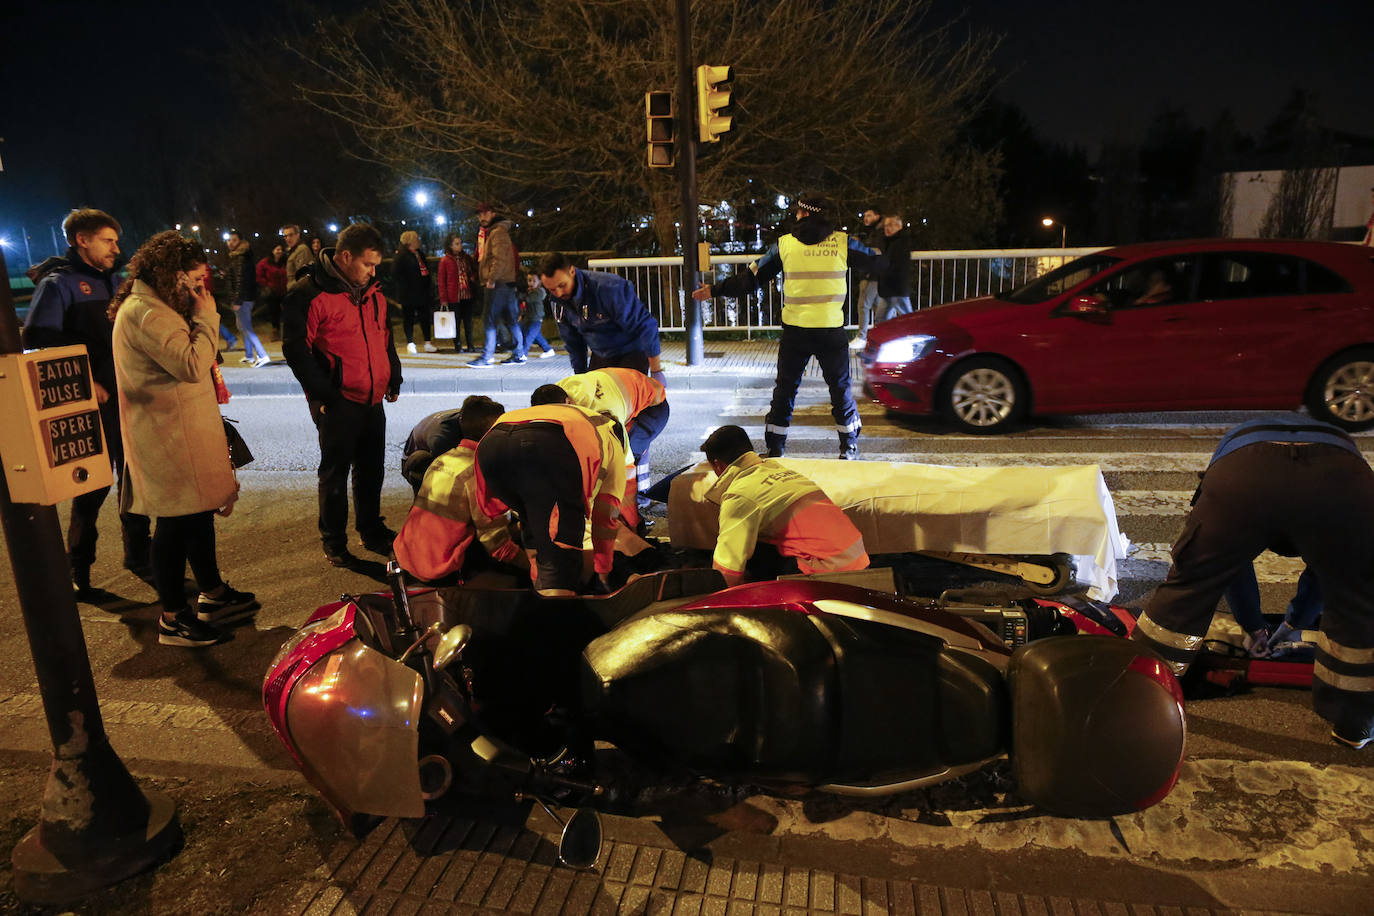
{"x":446,"y":516}
{"x":601,"y":461}
{"x":813,"y":259}
{"x":760,"y":499}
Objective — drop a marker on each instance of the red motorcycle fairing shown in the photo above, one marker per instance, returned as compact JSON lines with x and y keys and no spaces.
{"x":348,"y":714}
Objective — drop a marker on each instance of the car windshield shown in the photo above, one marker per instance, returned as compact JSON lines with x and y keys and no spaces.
{"x":1059,"y":279}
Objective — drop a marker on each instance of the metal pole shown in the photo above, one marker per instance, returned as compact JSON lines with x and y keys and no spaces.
{"x":95,"y":827}
{"x":687,"y":179}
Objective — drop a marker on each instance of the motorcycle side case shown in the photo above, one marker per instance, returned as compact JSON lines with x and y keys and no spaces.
{"x":1098,"y":725}
{"x":349,"y":714}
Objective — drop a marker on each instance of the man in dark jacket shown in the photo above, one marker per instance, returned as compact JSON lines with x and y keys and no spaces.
{"x":894,"y":284}
{"x":499,"y":269}
{"x":337,"y":340}
{"x":70,"y":305}
{"x":814,"y":259}
{"x":600,"y":318}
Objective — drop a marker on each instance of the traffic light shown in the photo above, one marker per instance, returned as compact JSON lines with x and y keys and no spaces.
{"x":658,"y":114}
{"x":713,"y":98}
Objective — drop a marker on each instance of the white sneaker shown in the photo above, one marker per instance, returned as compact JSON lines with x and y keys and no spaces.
{"x":410,"y":347}
{"x":247,"y":360}
{"x":430,"y":348}
{"x":262,"y":361}
{"x":547,"y":353}
{"x":858,"y":343}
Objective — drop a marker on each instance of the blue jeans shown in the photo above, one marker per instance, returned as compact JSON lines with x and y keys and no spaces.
{"x":868,"y":293}
{"x":503,"y":308}
{"x":891,"y":307}
{"x":250,"y":340}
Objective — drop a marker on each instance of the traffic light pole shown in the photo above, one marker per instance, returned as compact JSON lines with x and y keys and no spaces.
{"x":95,"y":826}
{"x":687,"y":179}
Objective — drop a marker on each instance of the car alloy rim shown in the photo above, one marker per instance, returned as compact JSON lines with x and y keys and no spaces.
{"x":1349,"y":392}
{"x":983,"y":397}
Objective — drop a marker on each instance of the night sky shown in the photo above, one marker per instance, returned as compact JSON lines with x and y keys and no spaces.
{"x":1082,"y":71}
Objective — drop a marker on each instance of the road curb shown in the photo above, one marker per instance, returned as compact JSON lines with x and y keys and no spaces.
{"x":465,"y":382}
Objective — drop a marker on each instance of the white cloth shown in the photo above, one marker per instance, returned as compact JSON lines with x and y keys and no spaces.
{"x":902,"y":507}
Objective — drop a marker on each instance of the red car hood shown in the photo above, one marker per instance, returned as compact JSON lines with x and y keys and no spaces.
{"x":969,"y":313}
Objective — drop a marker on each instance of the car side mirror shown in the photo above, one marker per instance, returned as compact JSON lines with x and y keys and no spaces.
{"x":1089,"y":308}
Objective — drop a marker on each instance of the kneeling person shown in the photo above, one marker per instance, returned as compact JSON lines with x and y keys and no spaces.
{"x":447,"y":532}
{"x":761,"y":500}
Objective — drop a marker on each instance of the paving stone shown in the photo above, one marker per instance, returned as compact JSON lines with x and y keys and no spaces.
{"x":903,"y":898}
{"x":694,"y":872}
{"x":324,"y":904}
{"x":376,"y":871}
{"x":714,"y":906}
{"x":848,"y":895}
{"x":670,"y":869}
{"x":504,"y":886}
{"x":1034,"y":906}
{"x":634,"y":901}
{"x":746,"y":883}
{"x":527,"y":894}
{"x":475,"y":888}
{"x":555,"y":895}
{"x":620,"y":863}
{"x":770,"y":884}
{"x":928,"y":901}
{"x":688,"y":905}
{"x":719,"y":876}
{"x":796,"y":887}
{"x":646,"y":866}
{"x":823,"y":891}
{"x":875,"y":897}
{"x":1063,"y":906}
{"x":953,"y":902}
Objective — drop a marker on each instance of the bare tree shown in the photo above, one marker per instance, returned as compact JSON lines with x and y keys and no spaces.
{"x":1302,"y":206}
{"x":541,"y":105}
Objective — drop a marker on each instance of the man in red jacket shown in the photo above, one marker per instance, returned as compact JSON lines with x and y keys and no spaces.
{"x":337,"y":340}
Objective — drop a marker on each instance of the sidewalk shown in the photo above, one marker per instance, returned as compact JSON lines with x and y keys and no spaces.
{"x":726,"y":365}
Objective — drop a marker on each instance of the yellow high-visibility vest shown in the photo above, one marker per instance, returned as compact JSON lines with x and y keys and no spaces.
{"x":814,"y":283}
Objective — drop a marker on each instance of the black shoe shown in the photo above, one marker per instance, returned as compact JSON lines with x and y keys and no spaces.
{"x":1354,"y":738}
{"x":379,"y":541}
{"x":143,"y":571}
{"x":850,"y":452}
{"x":230,"y":606}
{"x":776,"y":452}
{"x":186,"y":631}
{"x":340,"y":557}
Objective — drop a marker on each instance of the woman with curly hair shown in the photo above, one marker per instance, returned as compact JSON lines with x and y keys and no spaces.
{"x":176,"y":455}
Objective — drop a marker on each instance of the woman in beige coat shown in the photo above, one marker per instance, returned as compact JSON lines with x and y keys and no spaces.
{"x":165,"y":340}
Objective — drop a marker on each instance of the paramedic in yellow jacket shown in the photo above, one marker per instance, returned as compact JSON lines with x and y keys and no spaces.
{"x":446,"y":533}
{"x":763,"y":501}
{"x":814,"y":259}
{"x":555,"y":466}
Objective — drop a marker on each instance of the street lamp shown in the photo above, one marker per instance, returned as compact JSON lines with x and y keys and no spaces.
{"x":333,"y":227}
{"x":1047,"y":222}
{"x":439,"y":219}
{"x":421,"y":199}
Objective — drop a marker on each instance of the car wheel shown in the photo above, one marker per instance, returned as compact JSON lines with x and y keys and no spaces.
{"x":984,"y":395}
{"x":1342,"y":391}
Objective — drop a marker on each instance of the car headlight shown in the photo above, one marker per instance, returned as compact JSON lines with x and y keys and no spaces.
{"x":903,"y":349}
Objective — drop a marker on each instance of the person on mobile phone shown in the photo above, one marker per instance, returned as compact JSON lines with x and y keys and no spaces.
{"x":178,"y":471}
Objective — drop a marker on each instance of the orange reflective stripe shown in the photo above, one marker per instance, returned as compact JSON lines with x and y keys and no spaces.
{"x":821,"y":537}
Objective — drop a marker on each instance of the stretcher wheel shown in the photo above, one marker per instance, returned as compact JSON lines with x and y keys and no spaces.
{"x":1062,"y":566}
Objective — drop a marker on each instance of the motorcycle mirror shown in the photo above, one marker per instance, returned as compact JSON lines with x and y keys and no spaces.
{"x":450,"y":645}
{"x":580,"y":845}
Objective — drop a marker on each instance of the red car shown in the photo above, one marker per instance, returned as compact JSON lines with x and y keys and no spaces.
{"x":1188,"y":325}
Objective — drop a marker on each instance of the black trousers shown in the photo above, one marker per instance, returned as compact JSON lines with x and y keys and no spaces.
{"x":830,"y":347}
{"x":352,"y":441}
{"x":1314,"y":501}
{"x":180,"y":538}
{"x":81,"y":527}
{"x":533,"y":469}
{"x":421,"y":313}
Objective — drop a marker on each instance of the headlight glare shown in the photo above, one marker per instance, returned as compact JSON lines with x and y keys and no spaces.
{"x":903,"y":349}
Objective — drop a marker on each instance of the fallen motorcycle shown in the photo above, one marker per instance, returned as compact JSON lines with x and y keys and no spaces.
{"x":387,"y":702}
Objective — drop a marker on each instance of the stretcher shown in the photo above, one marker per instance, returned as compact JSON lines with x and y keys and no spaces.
{"x":1053,"y":528}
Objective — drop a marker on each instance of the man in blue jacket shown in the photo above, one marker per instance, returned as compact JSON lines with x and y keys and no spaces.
{"x":70,"y":305}
{"x":1298,"y":487}
{"x":601,"y":319}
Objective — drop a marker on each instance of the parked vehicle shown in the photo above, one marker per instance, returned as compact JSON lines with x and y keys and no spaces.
{"x":389,"y":702}
{"x":1190,"y":325}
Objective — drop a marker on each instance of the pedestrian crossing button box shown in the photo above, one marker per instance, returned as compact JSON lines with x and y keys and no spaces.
{"x":51,"y":439}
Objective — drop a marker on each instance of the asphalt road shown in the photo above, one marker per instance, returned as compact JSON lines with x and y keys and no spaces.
{"x":1267,"y":801}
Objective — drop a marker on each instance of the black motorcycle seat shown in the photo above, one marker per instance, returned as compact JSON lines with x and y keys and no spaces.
{"x":777,"y":694}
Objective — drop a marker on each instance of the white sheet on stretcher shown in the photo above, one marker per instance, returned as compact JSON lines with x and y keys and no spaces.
{"x":903,"y":507}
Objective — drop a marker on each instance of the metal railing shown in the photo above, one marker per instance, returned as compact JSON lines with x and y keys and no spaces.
{"x":937,"y":277}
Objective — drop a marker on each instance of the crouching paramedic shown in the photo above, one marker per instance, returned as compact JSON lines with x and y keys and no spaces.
{"x":761,"y":500}
{"x":446,"y":532}
{"x":555,"y":466}
{"x":637,"y":401}
{"x":1293,"y":485}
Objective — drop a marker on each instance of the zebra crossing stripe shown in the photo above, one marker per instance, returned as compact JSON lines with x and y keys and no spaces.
{"x":1151,"y":561}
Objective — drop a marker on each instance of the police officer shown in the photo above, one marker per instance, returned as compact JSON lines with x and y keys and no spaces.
{"x":814,"y":258}
{"x":1290,"y":484}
